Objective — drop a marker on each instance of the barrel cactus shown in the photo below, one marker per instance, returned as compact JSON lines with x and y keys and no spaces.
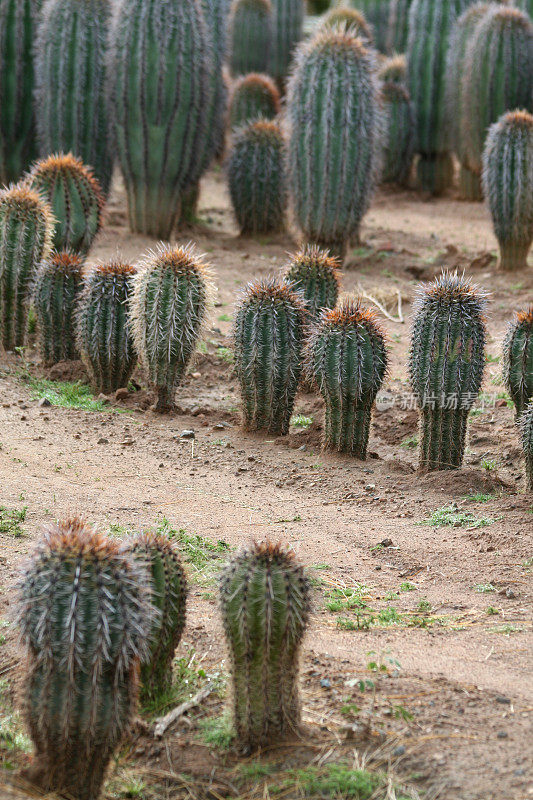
{"x":103,"y":333}
{"x":253,"y":96}
{"x":84,"y":619}
{"x":169,"y":306}
{"x":351,"y":18}
{"x":26,"y":228}
{"x":251,"y":36}
{"x":377,"y":13}
{"x":398,"y":26}
{"x":518,"y":359}
{"x":394,"y":70}
{"x":399,"y":133}
{"x":288,"y":19}
{"x":446,"y":365}
{"x":265,"y":600}
{"x":508,"y":186}
{"x":316,"y":275}
{"x":526,"y":437}
{"x":56,"y":290}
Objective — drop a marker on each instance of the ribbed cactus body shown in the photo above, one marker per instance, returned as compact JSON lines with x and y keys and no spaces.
{"x":26,"y":228}
{"x":316,"y":276}
{"x":169,"y":306}
{"x":334,"y":119}
{"x":350,"y":18}
{"x":71,"y":92}
{"x":518,"y":359}
{"x":257,"y":177}
{"x":251,"y":36}
{"x":446,"y":366}
{"x":398,"y":26}
{"x":288,"y":22}
{"x":216,"y":13}
{"x":103,"y":332}
{"x":269,"y":333}
{"x":398,"y":139}
{"x":508,"y":186}
{"x":526,"y":437}
{"x":265,"y":605}
{"x":18,"y":147}
{"x":253,"y":96}
{"x":56,"y":290}
{"x":318,"y":6}
{"x":85,"y":619}
{"x":377,"y":14}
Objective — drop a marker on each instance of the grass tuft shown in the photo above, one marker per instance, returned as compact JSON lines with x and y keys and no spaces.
{"x":11,"y":519}
{"x":450,"y":516}
{"x":217,"y":731}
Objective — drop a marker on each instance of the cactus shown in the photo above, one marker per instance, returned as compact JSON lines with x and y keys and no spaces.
{"x":251,"y":36}
{"x":169,"y":596}
{"x":71,"y":95}
{"x":216,"y":13}
{"x":346,"y":355}
{"x":377,"y":13}
{"x":334,"y":119}
{"x":526,"y":437}
{"x":84,"y":618}
{"x":55,"y":293}
{"x":518,"y":359}
{"x":316,"y":275}
{"x":398,"y":26}
{"x":318,"y":6}
{"x":168,"y":309}
{"x":394,"y":70}
{"x":446,"y":365}
{"x":269,"y":333}
{"x":257,"y":179}
{"x":18,"y":147}
{"x":75,"y":197}
{"x":508,"y":186}
{"x":398,"y":140}
{"x":265,"y":604}
{"x":288,"y":18}
{"x":26,"y":228}
{"x":103,"y":333}
{"x":253,"y":96}
{"x":349,"y":18}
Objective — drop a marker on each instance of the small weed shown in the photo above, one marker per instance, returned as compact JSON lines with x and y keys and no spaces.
{"x":217,"y":731}
{"x":186,"y":680}
{"x":11,"y":519}
{"x":399,"y":712}
{"x":201,"y":347}
{"x":490,"y":359}
{"x":411,"y":442}
{"x":489,"y":464}
{"x":225,"y":318}
{"x":424,"y":606}
{"x":339,"y":781}
{"x":451,"y":516}
{"x":67,"y":395}
{"x":407,"y":587}
{"x":225,"y":354}
{"x":254,"y":770}
{"x":480,"y":498}
{"x":507,"y":630}
{"x":491,"y":611}
{"x":345,"y":599}
{"x":299,"y":421}
{"x":321,"y":566}
{"x":484,"y":588}
{"x":203,"y":556}
{"x":134,"y":788}
{"x":350,"y":710}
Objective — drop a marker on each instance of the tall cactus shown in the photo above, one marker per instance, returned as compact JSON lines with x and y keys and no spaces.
{"x":104,"y":337}
{"x":526,"y":437}
{"x":334,"y":119}
{"x":251,"y":36}
{"x":398,"y":26}
{"x":446,"y":365}
{"x":18,"y":148}
{"x":26,"y":228}
{"x":253,"y":96}
{"x":216,"y":13}
{"x":288,"y":31}
{"x":265,"y":603}
{"x":269,"y":333}
{"x":518,"y":359}
{"x":398,"y":139}
{"x":350,"y":18}
{"x":316,"y":275}
{"x":508,"y":186}
{"x":56,"y":290}
{"x":346,"y":355}
{"x":169,"y":306}
{"x":84,"y":619}
{"x":377,"y":13}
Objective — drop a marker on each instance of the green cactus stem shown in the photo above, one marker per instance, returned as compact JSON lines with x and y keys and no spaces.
{"x":189,"y":206}
{"x":398,"y":140}
{"x":288,"y":22}
{"x":398,"y":26}
{"x":216,"y":13}
{"x":318,"y":7}
{"x":251,"y":36}
{"x":526,"y":437}
{"x":518,"y":359}
{"x":253,"y":96}
{"x":352,"y":19}
{"x":316,"y":275}
{"x":377,"y":13}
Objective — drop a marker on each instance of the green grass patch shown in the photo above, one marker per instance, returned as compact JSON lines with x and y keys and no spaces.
{"x":300,"y":421}
{"x":186,"y":680}
{"x":13,"y":739}
{"x":484,"y":588}
{"x":410,"y":442}
{"x":204,"y":557}
{"x":338,"y":599}
{"x":451,"y":516}
{"x":66,"y":394}
{"x":339,"y":781}
{"x":480,"y":498}
{"x":217,"y":731}
{"x":11,"y":520}
{"x":225,"y":354}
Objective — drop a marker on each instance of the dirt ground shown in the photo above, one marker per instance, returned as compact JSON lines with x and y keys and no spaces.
{"x":450,"y":711}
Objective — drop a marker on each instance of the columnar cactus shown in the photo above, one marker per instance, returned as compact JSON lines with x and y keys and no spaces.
{"x":518,"y":359}
{"x":251,"y":36}
{"x":399,"y":134}
{"x":216,"y":13}
{"x":508,"y":186}
{"x":169,"y":306}
{"x":26,"y":228}
{"x":75,"y":197}
{"x":446,"y":366}
{"x":169,"y":596}
{"x":526,"y":437}
{"x":253,"y":96}
{"x":265,"y":604}
{"x":351,"y":18}
{"x":103,"y":332}
{"x":377,"y":13}
{"x":56,"y":290}
{"x":257,"y":177}
{"x":71,"y":95}
{"x":346,"y":356}
{"x":316,"y":275}
{"x":288,"y":31}
{"x":85,"y":618}
{"x":398,"y":26}
{"x":334,"y":119}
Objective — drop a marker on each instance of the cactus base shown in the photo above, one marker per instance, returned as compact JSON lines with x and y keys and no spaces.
{"x":189,"y":207}
{"x":165,"y":401}
{"x":443,"y":436}
{"x":435,"y":172}
{"x":513,"y":256}
{"x":470,"y":185}
{"x":149,"y":215}
{"x":348,"y":428}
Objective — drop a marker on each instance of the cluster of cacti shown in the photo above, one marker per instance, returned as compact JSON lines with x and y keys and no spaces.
{"x":103,"y":332}
{"x":316,"y":276}
{"x":75,"y":197}
{"x":349,"y":18}
{"x":70,"y":72}
{"x":446,"y":366}
{"x":334,"y":119}
{"x":399,"y":126}
{"x":265,"y":604}
{"x":26,"y":229}
{"x":377,"y":13}
{"x":253,"y":96}
{"x":268,"y":336}
{"x":526,"y":437}
{"x":518,"y":360}
{"x":398,"y":26}
{"x":288,"y":18}
{"x":508,"y":186}
{"x":257,"y":177}
{"x":56,"y":290}
{"x":251,"y":36}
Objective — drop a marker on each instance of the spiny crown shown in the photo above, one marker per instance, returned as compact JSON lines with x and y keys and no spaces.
{"x":66,"y":262}
{"x":519,"y":119}
{"x":73,"y":539}
{"x":311,"y":259}
{"x":525,"y":317}
{"x":22,"y":198}
{"x":508,"y":16}
{"x":349,"y":18}
{"x":52,"y":167}
{"x":452,"y":289}
{"x":269,"y":554}
{"x":394,"y":70}
{"x":261,"y":131}
{"x":148,"y":541}
{"x":257,"y":83}
{"x":350,"y":314}
{"x":182,"y":260}
{"x":272,"y":291}
{"x":113,"y":269}
{"x":343,"y":41}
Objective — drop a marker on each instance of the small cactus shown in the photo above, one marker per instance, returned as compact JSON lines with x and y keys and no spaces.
{"x":26,"y":228}
{"x":398,"y":26}
{"x":269,"y":334}
{"x":508,"y":186}
{"x":346,"y":356}
{"x":399,"y":134}
{"x":84,"y":618}
{"x":526,"y":437}
{"x":75,"y":197}
{"x":446,"y":366}
{"x":349,"y":19}
{"x":103,"y":333}
{"x":257,"y":179}
{"x":56,"y":290}
{"x":394,"y":70}
{"x":168,"y":310}
{"x":265,"y":604}
{"x":316,"y":275}
{"x":251,"y":36}
{"x":518,"y":359}
{"x":253,"y":96}
{"x":288,"y":19}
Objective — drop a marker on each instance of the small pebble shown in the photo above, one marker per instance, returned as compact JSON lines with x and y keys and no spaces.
{"x":325,"y":683}
{"x":398,"y":751}
{"x":187,"y":435}
{"x":44,"y":402}
{"x":502,"y":734}
{"x":102,"y":440}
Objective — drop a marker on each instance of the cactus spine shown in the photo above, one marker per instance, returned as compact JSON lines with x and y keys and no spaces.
{"x":104,"y":337}
{"x":26,"y":227}
{"x":508,"y":186}
{"x":288,"y":31}
{"x":84,"y":619}
{"x":253,"y":96}
{"x":256,"y":176}
{"x":316,"y":275}
{"x":265,"y":604}
{"x":446,"y":366}
{"x":56,"y":290}
{"x":168,"y":309}
{"x":518,"y":359}
{"x":377,"y":14}
{"x":526,"y":437}
{"x":350,"y":18}
{"x":398,"y":26}
{"x":251,"y":36}
{"x":399,"y":133}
